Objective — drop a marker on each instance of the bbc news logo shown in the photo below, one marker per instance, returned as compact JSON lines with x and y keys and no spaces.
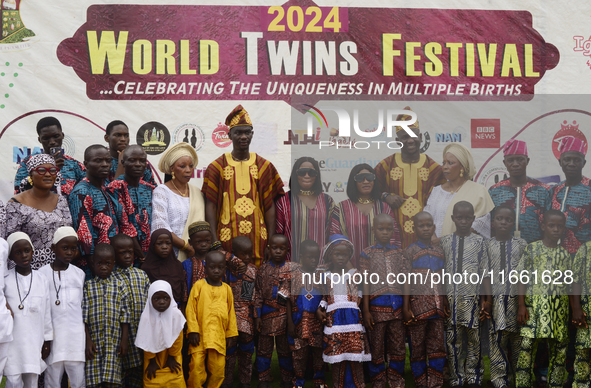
{"x":486,"y":133}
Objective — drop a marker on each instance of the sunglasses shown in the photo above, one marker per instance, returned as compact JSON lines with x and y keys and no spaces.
{"x":44,"y":170}
{"x":312,"y":173}
{"x":369,"y":176}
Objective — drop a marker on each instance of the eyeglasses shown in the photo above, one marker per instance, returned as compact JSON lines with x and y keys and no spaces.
{"x":369,"y":176}
{"x":312,"y":173}
{"x":43,"y":170}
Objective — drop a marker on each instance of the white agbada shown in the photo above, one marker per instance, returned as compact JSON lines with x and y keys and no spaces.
{"x":158,"y":331}
{"x":32,"y":324}
{"x":68,"y":327}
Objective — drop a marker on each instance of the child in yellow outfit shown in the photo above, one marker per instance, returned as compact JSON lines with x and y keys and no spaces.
{"x":211,"y":320}
{"x":160,"y":335}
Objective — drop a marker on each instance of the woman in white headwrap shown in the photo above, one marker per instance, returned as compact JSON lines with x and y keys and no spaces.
{"x":177,"y":204}
{"x":459,"y":169}
{"x":160,"y":336}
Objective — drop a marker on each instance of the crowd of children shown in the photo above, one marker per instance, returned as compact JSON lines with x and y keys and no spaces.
{"x":143,"y":327}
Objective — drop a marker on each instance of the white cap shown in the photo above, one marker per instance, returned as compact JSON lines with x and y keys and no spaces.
{"x":63,"y":232}
{"x":17,"y":236}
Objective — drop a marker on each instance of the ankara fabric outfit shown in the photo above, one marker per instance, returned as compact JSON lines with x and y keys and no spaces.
{"x":548,"y":307}
{"x":426,"y":303}
{"x":385,"y":306}
{"x":464,"y":254}
{"x":242,"y":193}
{"x":210,"y":312}
{"x":271,"y":280}
{"x":504,"y":331}
{"x":582,"y":275}
{"x":243,"y":291}
{"x":411,"y":181}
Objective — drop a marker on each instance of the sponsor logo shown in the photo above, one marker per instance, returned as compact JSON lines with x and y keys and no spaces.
{"x":339,"y":188}
{"x":493,"y":175}
{"x":153,"y":137}
{"x":426,"y":142}
{"x":190,"y":134}
{"x":583,"y":46}
{"x":220,"y":136}
{"x":567,"y":130}
{"x":485,"y":133}
{"x":448,"y":137}
{"x":18,"y":154}
{"x":14,"y":36}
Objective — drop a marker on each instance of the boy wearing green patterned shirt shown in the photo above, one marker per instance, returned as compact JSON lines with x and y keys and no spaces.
{"x":581,"y":306}
{"x":544,"y":302}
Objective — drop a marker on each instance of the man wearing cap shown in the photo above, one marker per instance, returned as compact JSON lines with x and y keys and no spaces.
{"x":134,"y":196}
{"x":240,"y":188}
{"x":50,"y":135}
{"x":527,"y":196}
{"x":573,"y":195}
{"x":408,"y":178}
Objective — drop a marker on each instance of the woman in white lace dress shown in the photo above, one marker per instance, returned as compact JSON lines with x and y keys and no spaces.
{"x":176,"y":204}
{"x":459,"y":169}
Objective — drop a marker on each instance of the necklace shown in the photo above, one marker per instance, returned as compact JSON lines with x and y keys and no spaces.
{"x":240,"y":160}
{"x":456,"y":190}
{"x":21,"y":306}
{"x":306,"y":192}
{"x":365,"y":201}
{"x":57,"y":290}
{"x":177,"y":189}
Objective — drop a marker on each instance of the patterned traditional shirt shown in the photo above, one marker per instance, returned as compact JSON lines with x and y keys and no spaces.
{"x":271,"y":282}
{"x":547,"y":304}
{"x":426,"y":302}
{"x":582,"y":275}
{"x":465,"y":255}
{"x":72,"y":172}
{"x":243,"y":192}
{"x":305,"y":298}
{"x":504,"y":257}
{"x":411,"y":181}
{"x":134,"y":213}
{"x":577,"y":209}
{"x":195,"y":269}
{"x":105,"y":307}
{"x":298,"y":222}
{"x":349,"y":221}
{"x":93,"y":216}
{"x":385,"y":296}
{"x":137,"y":284}
{"x":533,"y":200}
{"x":148,"y":176}
{"x":243,"y":290}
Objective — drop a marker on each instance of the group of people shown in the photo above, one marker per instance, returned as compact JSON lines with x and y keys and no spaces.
{"x":114,"y":280}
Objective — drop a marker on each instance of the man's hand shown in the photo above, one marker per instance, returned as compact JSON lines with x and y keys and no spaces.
{"x":152,"y":368}
{"x":368,"y":321}
{"x":321,"y":315}
{"x":395,"y":201}
{"x":173,"y":365}
{"x":46,"y":349}
{"x":194,"y":339}
{"x":522,"y":315}
{"x":90,"y":349}
{"x":579,"y":318}
{"x":408,"y":316}
{"x":59,"y":159}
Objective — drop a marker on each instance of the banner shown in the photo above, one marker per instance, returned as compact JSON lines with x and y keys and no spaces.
{"x":173,"y":71}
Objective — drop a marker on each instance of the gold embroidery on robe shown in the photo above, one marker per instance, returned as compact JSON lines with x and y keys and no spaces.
{"x":423,"y":174}
{"x":225,"y":234}
{"x":396,"y":173}
{"x":245,"y":227}
{"x":263,"y":233}
{"x":244,"y":206}
{"x":241,"y":173}
{"x":228,"y":173}
{"x":409,"y":226}
{"x":410,"y":207}
{"x":225,"y":218}
{"x":410,"y":173}
{"x":254,"y":171}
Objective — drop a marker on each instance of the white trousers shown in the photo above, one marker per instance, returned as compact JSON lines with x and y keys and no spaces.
{"x":74,"y":369}
{"x":24,"y":380}
{"x":3,"y":356}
